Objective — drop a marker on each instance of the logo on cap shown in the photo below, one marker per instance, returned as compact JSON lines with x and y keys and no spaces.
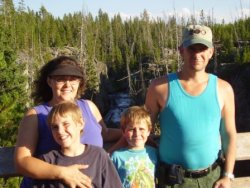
{"x":197,"y":31}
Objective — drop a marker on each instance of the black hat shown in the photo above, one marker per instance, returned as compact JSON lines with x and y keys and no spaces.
{"x":67,"y":70}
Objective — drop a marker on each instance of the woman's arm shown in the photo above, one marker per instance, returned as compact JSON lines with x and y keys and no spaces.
{"x":121,"y":143}
{"x":108,"y":134}
{"x":32,"y":167}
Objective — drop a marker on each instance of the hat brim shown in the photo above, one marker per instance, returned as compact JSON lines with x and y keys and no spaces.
{"x":67,"y":70}
{"x":190,"y":42}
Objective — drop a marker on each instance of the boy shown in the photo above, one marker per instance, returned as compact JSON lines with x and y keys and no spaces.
{"x":66,"y":123}
{"x":136,"y":164}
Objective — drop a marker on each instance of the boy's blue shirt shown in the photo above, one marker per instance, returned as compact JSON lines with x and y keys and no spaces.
{"x":136,"y":167}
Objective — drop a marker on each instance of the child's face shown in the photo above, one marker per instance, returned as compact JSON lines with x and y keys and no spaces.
{"x":66,"y":131}
{"x":136,"y":134}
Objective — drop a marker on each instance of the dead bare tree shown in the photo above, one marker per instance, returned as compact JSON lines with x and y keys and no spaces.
{"x":128,"y":69}
{"x":179,"y":62}
{"x":83,"y":53}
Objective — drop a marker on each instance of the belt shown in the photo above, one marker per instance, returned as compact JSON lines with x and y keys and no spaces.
{"x":201,"y":173}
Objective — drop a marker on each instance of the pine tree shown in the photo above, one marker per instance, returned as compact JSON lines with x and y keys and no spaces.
{"x":12,"y":80}
{"x":12,"y":96}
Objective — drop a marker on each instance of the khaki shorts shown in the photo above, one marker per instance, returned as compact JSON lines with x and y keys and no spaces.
{"x":203,"y":182}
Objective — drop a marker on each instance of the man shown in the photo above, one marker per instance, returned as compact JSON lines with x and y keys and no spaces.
{"x":193,"y":106}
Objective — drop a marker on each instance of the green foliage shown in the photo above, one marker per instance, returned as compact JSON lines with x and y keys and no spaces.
{"x":11,"y":182}
{"x":92,"y":79}
{"x":12,"y":96}
{"x":113,"y":40}
{"x":246,"y":55}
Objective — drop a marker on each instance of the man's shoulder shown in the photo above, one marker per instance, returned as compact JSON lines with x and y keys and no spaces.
{"x":225,"y":92}
{"x":157,"y":95}
{"x":223,"y":85}
{"x":159,"y":81}
{"x":158,"y":84}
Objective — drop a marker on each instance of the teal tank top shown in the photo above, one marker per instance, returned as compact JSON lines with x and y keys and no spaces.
{"x":190,"y":126}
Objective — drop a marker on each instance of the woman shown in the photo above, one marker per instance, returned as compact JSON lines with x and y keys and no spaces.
{"x":61,"y":79}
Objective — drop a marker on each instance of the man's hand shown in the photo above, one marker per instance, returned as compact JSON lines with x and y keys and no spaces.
{"x":223,"y":183}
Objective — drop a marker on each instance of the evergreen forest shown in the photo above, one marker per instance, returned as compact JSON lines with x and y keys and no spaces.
{"x":110,"y":48}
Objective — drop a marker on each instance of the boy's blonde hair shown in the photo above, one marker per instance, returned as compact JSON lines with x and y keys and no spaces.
{"x":135,"y":114}
{"x":63,"y":109}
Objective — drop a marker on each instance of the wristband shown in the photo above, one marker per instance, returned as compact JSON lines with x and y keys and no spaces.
{"x":229,"y":175}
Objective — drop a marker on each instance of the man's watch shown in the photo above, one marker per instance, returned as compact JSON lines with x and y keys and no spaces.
{"x":229,"y":175}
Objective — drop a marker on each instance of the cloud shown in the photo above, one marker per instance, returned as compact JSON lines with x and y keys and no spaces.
{"x":245,"y":12}
{"x":186,"y":13}
{"x":126,"y":16}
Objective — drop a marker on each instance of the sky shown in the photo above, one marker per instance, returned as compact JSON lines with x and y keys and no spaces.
{"x":229,"y":10}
